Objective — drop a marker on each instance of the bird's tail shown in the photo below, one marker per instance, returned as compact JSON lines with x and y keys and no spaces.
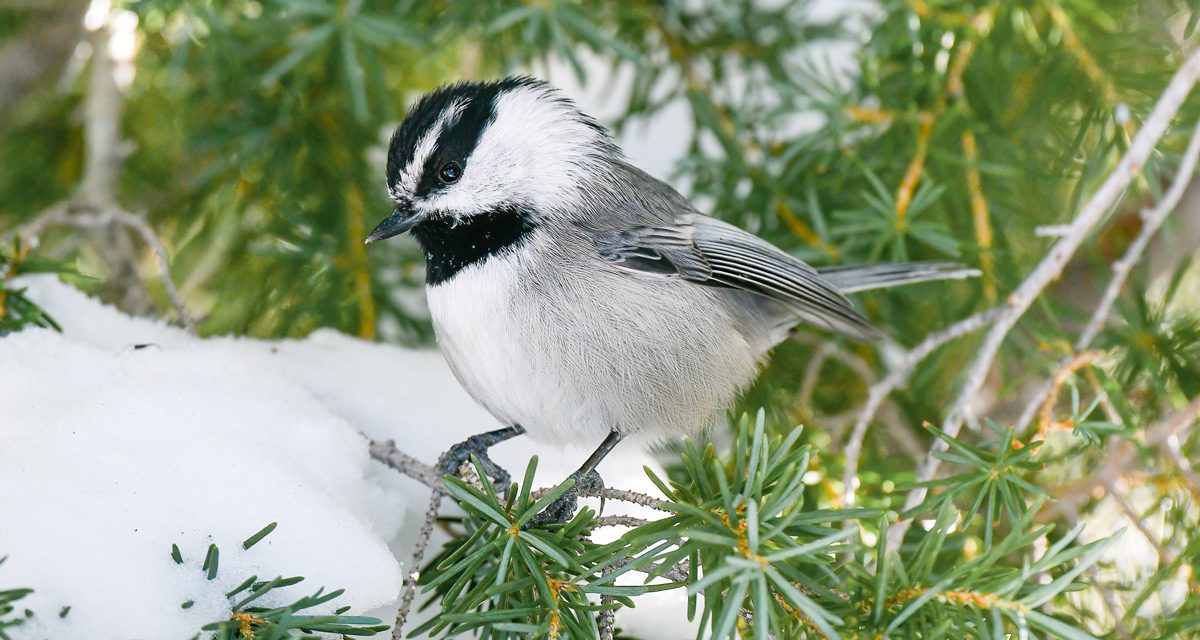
{"x":864,"y":277}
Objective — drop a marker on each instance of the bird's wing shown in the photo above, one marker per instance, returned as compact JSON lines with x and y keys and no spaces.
{"x":710,"y":252}
{"x":865,"y":277}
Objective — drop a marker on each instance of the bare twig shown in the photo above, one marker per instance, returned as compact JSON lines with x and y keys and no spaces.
{"x":828,"y":349}
{"x":1152,"y":221}
{"x":1131,"y":514}
{"x":608,"y":617}
{"x":409,"y":590}
{"x":63,"y":214}
{"x":1051,"y":267}
{"x":880,"y":390}
{"x":677,"y":573}
{"x":812,"y":371}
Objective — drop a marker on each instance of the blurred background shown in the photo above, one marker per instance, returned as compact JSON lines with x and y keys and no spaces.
{"x":241,"y":144}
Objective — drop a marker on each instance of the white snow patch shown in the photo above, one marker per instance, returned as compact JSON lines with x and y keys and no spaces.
{"x":109,"y":454}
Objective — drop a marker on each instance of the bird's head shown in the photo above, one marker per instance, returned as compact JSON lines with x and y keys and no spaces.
{"x":478,"y":148}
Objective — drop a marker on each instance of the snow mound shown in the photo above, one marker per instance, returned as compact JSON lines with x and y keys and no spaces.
{"x":111,"y":455}
{"x":122,"y":436}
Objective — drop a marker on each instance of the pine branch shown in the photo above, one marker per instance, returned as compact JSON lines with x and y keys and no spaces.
{"x":1051,"y":267}
{"x":898,"y":376}
{"x":1152,"y":221}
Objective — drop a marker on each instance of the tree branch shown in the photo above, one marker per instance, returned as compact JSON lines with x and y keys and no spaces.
{"x":94,"y":205}
{"x":63,"y":214}
{"x":409,"y":590}
{"x":880,"y":391}
{"x":1152,"y":222}
{"x":388,"y":454}
{"x":1051,"y":267}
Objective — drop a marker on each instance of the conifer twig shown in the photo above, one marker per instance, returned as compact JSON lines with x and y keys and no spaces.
{"x":608,"y":617}
{"x":1051,"y":267}
{"x":620,"y":521}
{"x":387,"y":453}
{"x":880,"y":390}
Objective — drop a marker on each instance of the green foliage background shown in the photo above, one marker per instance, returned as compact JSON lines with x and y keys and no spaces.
{"x":257,"y":129}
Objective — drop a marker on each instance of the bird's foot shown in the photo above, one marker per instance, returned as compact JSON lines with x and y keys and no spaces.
{"x":451,"y":462}
{"x":562,"y":509}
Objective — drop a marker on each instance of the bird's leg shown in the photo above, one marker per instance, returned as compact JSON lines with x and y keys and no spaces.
{"x":450,"y":462}
{"x":586,"y":478}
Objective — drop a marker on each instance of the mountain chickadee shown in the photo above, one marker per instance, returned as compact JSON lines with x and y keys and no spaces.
{"x":578,"y":298}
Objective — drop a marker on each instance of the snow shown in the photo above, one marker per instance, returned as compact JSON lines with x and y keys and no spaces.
{"x":110,"y":454}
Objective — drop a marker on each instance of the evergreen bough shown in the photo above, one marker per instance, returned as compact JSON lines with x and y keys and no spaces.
{"x":758,"y":557}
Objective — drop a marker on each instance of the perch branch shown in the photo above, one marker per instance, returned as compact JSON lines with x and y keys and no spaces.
{"x":388,"y":454}
{"x":632,"y":497}
{"x":620,"y":521}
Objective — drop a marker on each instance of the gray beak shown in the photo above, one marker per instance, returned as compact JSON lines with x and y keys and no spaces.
{"x":398,"y":222}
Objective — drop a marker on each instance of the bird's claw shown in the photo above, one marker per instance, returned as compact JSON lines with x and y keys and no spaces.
{"x":563,"y":508}
{"x":451,"y":462}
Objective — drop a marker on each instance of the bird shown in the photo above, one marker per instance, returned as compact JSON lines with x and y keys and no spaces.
{"x":578,"y":298}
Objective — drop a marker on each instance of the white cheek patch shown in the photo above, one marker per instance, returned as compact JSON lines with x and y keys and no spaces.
{"x":536,"y":152}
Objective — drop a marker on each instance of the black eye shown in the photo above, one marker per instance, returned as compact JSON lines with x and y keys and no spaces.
{"x":451,"y":172}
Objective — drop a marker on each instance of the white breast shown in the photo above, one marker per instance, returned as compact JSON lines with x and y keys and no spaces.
{"x":475,"y":326}
{"x":571,"y":349}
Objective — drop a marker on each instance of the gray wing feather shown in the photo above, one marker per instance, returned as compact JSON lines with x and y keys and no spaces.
{"x":708,"y":251}
{"x":865,"y":277}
